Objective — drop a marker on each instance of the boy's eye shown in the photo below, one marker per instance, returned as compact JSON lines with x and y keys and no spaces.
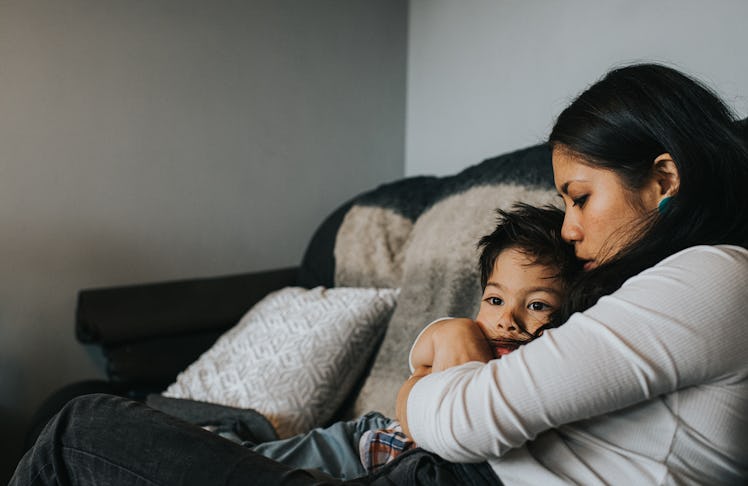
{"x":494,"y":301}
{"x":538,"y":306}
{"x":579,"y":201}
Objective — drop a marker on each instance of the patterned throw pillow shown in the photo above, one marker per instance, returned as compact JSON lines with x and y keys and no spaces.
{"x":293,"y":357}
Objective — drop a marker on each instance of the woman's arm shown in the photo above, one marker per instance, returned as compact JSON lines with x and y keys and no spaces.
{"x":651,"y":337}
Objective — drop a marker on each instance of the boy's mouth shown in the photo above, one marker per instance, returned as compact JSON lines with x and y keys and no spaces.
{"x":502,"y":347}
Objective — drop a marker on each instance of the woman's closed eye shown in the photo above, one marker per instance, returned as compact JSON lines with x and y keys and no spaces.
{"x":580,"y":200}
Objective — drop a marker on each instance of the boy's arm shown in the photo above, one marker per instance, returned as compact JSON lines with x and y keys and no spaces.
{"x":448,"y":353}
{"x":444,"y":344}
{"x":458,"y":341}
{"x":422,"y":352}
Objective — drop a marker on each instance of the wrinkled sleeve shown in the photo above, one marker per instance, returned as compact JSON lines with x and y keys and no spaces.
{"x":651,"y":337}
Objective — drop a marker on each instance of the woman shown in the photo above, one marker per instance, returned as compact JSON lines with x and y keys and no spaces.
{"x":646,"y":383}
{"x":650,"y":384}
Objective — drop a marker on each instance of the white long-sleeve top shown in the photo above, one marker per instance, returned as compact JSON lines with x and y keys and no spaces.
{"x":648,"y":386}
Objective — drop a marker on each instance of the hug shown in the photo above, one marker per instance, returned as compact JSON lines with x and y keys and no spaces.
{"x":613,"y":354}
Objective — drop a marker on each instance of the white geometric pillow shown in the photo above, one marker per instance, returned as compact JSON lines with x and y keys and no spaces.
{"x":293,"y":357}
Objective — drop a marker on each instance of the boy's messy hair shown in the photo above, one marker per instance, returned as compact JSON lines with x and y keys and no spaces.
{"x":534,"y":231}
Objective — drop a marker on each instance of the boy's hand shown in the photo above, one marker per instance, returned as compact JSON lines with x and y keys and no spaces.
{"x":458,"y":341}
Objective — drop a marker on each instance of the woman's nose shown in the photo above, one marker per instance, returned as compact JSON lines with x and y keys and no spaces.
{"x":570,"y":229}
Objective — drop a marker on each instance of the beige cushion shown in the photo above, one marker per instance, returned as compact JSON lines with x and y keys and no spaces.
{"x":293,"y":357}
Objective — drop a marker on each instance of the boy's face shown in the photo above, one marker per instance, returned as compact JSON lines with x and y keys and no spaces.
{"x":520,"y":297}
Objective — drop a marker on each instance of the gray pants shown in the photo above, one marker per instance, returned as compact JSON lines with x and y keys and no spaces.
{"x":101,"y":439}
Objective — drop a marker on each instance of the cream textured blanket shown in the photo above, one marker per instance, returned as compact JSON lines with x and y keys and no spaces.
{"x":420,"y":234}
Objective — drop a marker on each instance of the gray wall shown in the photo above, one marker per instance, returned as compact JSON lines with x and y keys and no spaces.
{"x":488,"y":76}
{"x":160,"y":139}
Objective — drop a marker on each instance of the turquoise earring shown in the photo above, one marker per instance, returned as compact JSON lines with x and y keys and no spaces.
{"x":663,"y":205}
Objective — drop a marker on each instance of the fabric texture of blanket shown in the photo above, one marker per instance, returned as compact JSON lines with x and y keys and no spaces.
{"x":420,"y":234}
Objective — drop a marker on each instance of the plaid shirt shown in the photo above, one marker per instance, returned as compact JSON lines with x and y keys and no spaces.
{"x":378,"y":447}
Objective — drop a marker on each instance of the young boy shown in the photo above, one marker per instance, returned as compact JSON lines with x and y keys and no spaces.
{"x":525,"y":267}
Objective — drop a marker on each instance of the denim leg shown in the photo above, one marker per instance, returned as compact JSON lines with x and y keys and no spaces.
{"x":102,"y":439}
{"x":107,"y":440}
{"x":333,"y":450}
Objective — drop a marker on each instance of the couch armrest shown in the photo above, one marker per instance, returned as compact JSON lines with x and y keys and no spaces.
{"x":110,"y":316}
{"x":154,"y":363}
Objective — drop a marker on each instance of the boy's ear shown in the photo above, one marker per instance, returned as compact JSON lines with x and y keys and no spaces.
{"x":666,"y":175}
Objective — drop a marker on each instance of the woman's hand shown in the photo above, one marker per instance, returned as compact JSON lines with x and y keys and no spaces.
{"x":458,"y":341}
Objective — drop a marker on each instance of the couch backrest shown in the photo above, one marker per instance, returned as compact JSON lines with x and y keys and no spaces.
{"x":411,"y":196}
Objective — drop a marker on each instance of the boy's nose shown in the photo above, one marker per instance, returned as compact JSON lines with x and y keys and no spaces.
{"x":507,"y":322}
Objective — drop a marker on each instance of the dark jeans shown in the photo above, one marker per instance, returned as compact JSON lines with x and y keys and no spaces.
{"x":107,"y":440}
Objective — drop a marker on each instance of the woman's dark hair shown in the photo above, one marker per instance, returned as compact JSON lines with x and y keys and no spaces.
{"x":535,"y":232}
{"x":625,"y":121}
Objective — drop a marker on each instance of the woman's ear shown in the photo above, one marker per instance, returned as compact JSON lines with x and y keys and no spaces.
{"x":666,"y":175}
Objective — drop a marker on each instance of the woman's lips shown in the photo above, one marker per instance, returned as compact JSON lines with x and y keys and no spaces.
{"x":589,"y":265}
